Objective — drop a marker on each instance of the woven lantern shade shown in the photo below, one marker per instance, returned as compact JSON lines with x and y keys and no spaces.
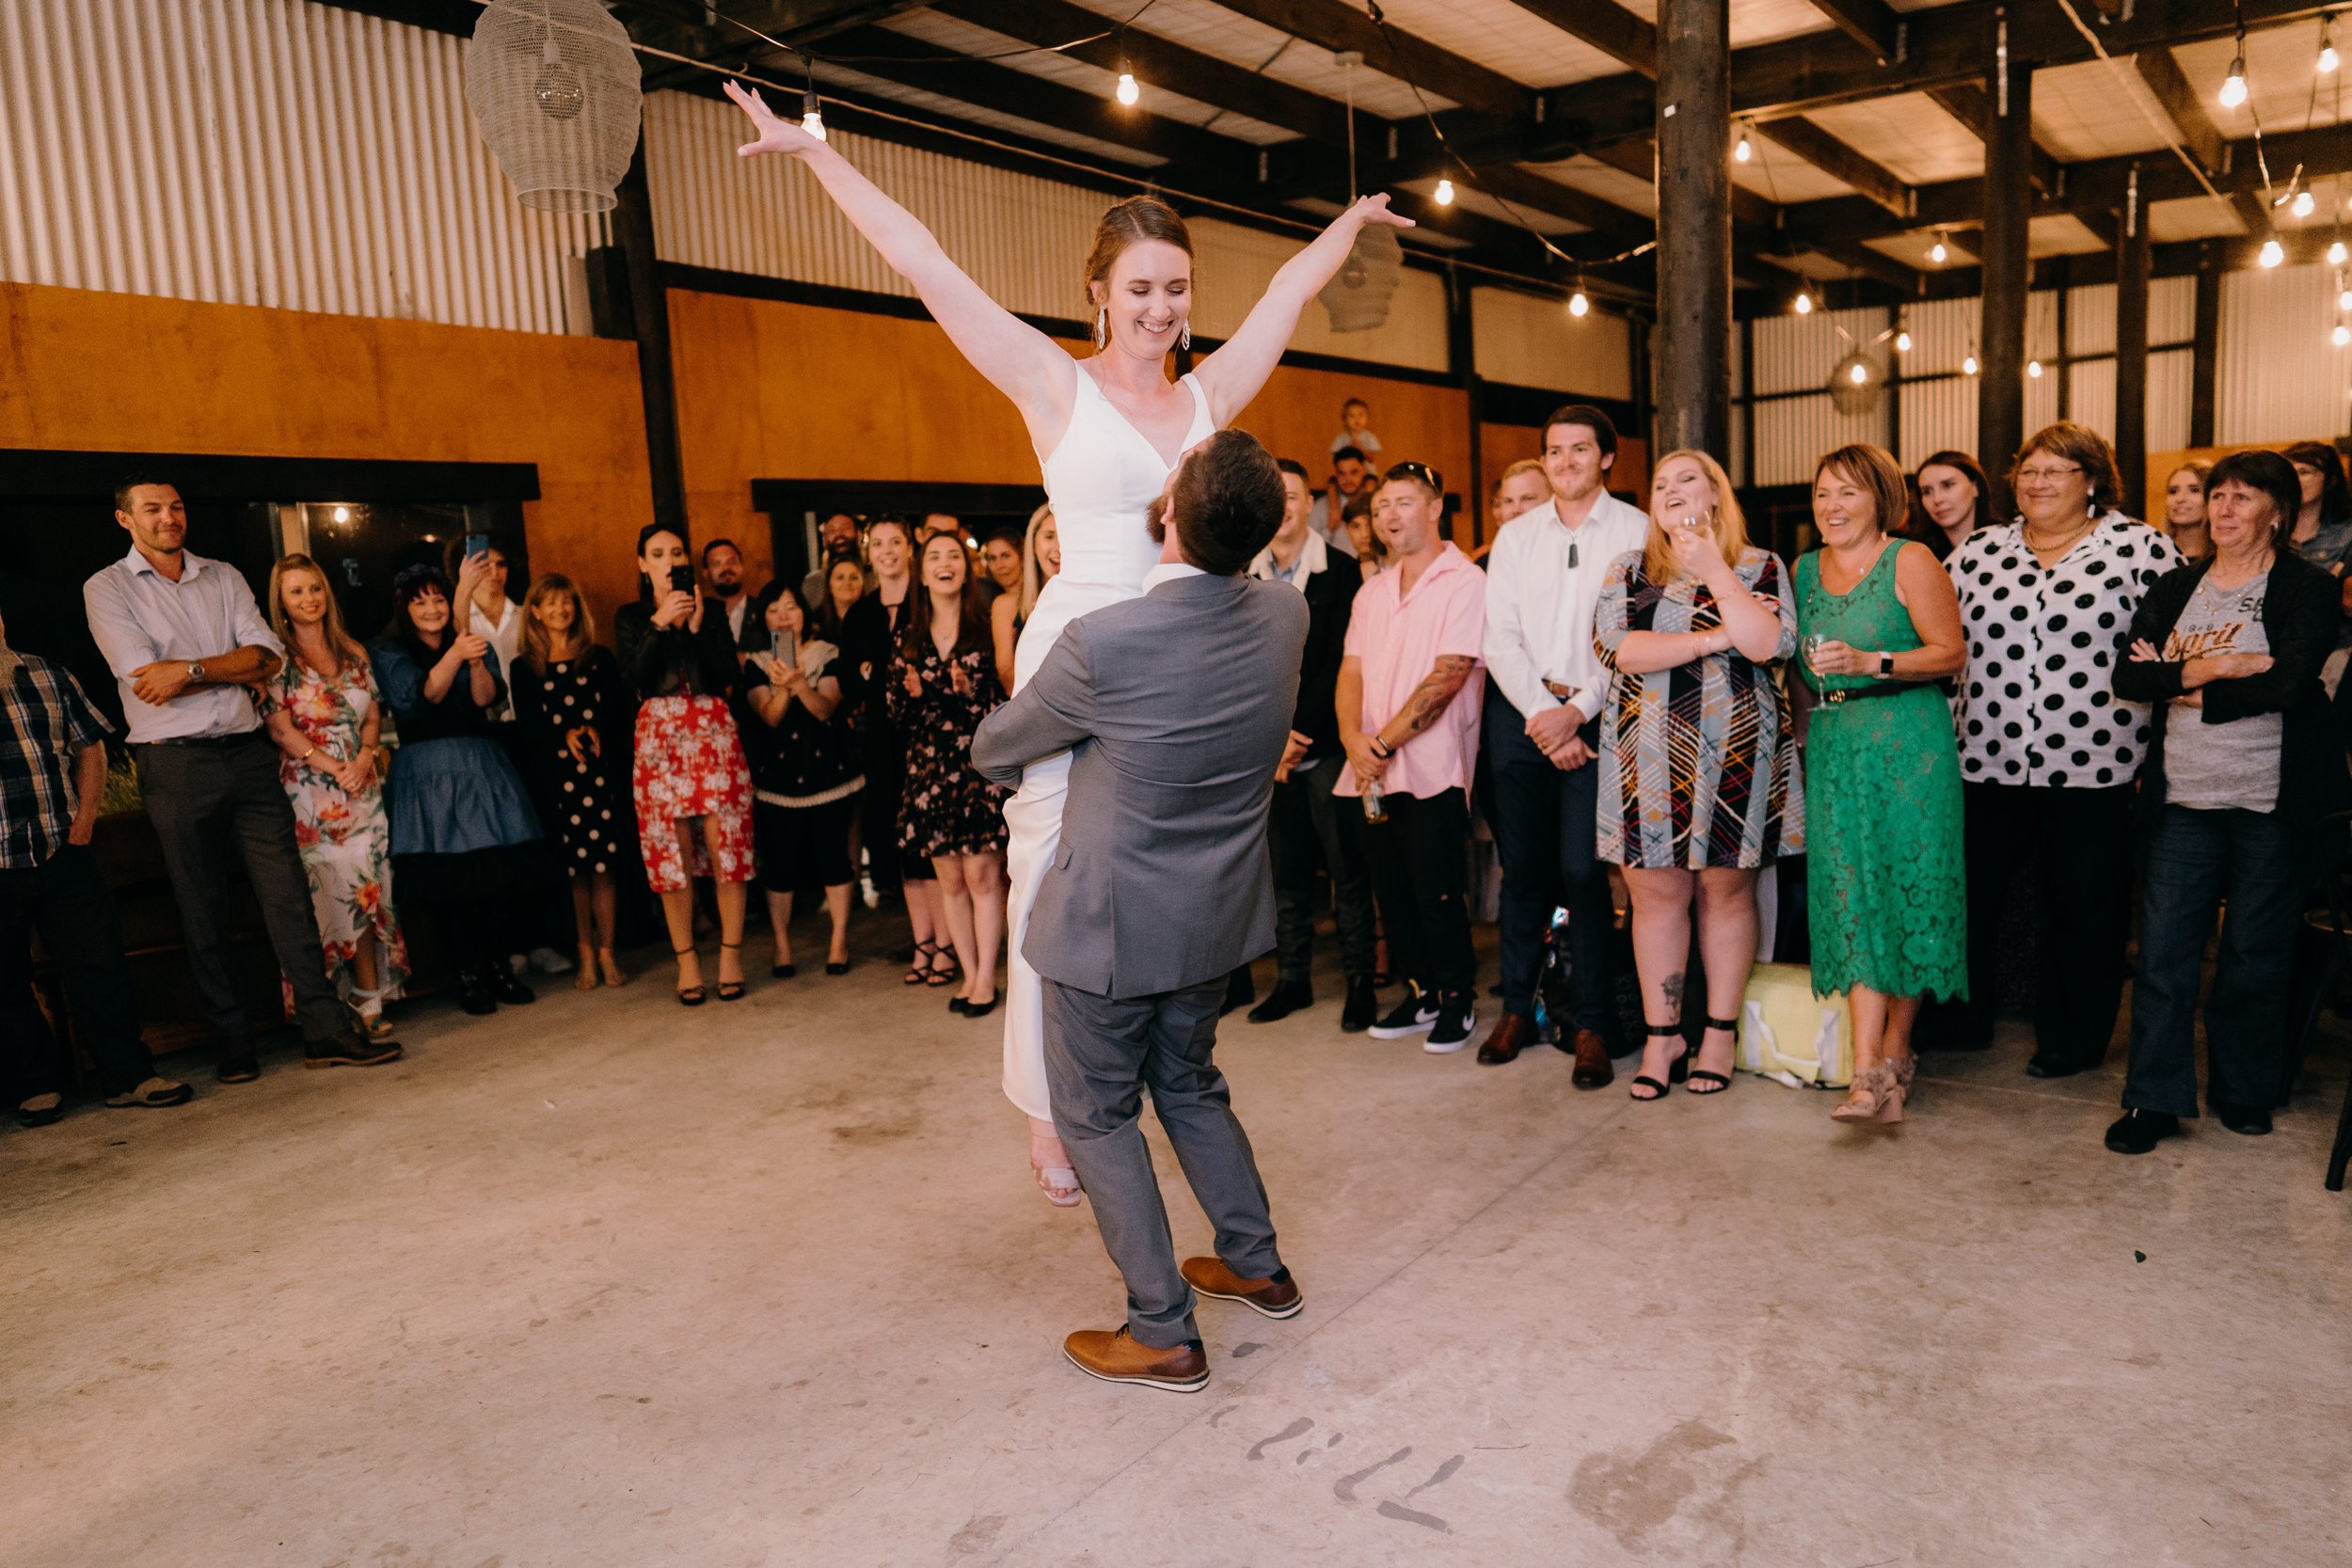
{"x":1358,"y":295}
{"x":553,"y":85}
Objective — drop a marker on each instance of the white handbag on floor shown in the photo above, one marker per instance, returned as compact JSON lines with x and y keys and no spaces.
{"x":1790,"y":1035}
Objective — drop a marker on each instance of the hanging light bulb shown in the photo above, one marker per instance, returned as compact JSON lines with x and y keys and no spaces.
{"x":2033,"y":368}
{"x":1129,"y":93}
{"x":2341,"y":335}
{"x":342,"y":514}
{"x":1445,"y":193}
{"x":1936,"y":252}
{"x":1902,"y":341}
{"x":2327,"y":46}
{"x":2302,"y":205}
{"x":1741,"y":151}
{"x":2272,"y":253}
{"x":812,"y":117}
{"x":2335,"y":254}
{"x":1859,"y":375}
{"x":1968,"y":366}
{"x":1804,"y":302}
{"x":1577,"y":303}
{"x":2234,"y":85}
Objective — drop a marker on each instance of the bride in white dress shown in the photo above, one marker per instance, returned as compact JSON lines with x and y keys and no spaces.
{"x":1108,"y":431}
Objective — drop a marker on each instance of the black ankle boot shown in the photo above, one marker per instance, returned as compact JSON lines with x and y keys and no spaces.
{"x":474,"y":993}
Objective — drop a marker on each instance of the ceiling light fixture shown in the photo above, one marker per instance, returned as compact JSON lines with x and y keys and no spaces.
{"x":1936,"y":252}
{"x":2341,"y":335}
{"x":1741,"y":151}
{"x":1903,"y":339}
{"x":812,"y":117}
{"x":1803,"y":304}
{"x":2327,"y":46}
{"x":2234,"y":85}
{"x":1445,"y":193}
{"x":2033,"y":368}
{"x":2272,"y":253}
{"x":1968,"y":366}
{"x":1129,"y":93}
{"x":2336,"y":254}
{"x":1577,"y":303}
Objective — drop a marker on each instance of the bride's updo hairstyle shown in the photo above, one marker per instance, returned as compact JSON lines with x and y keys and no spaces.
{"x":1136,"y":219}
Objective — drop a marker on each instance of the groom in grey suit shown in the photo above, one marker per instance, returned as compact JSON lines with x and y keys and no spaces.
{"x":1175,"y":707}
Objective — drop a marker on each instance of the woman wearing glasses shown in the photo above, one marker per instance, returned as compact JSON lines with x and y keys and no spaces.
{"x":2047,"y":750}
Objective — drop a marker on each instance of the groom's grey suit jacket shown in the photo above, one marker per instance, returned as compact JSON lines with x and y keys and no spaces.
{"x":1175,"y":707}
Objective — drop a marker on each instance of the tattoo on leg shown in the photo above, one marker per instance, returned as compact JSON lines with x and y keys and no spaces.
{"x":1672,"y":988}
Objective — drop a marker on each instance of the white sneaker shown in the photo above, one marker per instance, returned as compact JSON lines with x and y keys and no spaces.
{"x":547,"y":960}
{"x":1456,"y":1020}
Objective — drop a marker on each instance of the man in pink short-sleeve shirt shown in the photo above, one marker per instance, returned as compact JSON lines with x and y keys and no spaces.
{"x":1408,"y":719}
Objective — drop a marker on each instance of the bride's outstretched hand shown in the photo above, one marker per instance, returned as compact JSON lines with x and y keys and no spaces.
{"x":1369,"y":209}
{"x":773,"y":133}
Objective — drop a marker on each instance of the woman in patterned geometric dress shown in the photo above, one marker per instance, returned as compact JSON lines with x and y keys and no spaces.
{"x":1699,"y":778}
{"x":324,"y":713}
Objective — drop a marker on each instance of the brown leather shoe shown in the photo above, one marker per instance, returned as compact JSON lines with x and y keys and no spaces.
{"x":1276,"y":1298}
{"x":1511,"y":1034}
{"x":1113,"y":1357}
{"x":1593,"y":1070}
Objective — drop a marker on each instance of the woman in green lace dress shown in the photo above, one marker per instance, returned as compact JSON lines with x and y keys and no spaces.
{"x":1878,"y":624}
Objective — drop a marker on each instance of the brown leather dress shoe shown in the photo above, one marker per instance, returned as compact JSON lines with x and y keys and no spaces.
{"x":1593,"y":1070}
{"x":1276,"y":1298}
{"x":1512,"y":1034}
{"x":1113,"y":1357}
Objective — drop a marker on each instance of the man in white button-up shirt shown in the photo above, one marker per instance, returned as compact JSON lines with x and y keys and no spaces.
{"x":1543,"y":578}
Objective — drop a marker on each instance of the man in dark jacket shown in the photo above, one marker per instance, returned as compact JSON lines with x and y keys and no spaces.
{"x":1305,"y":819}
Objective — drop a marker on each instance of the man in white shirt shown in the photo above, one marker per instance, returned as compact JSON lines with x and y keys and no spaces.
{"x":1351,"y":470}
{"x":490,"y":615}
{"x":186,"y":643}
{"x":722,"y":579}
{"x":1545,"y":576}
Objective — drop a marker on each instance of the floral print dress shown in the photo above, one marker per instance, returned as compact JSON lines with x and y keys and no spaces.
{"x":345,"y":839}
{"x":949,"y":809}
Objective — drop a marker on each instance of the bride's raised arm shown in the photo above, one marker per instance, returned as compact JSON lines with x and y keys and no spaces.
{"x":1238,"y":369}
{"x":1018,"y":360}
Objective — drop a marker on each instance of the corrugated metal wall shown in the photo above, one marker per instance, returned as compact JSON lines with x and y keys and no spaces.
{"x":265,"y":153}
{"x":2280,"y":378}
{"x":1529,"y":341}
{"x":1023,"y":239}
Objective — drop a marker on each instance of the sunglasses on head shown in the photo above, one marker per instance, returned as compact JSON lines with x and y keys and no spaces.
{"x":1420,"y":471}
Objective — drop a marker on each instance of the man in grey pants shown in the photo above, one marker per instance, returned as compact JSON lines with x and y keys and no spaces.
{"x":1175,"y":707}
{"x":186,"y":645}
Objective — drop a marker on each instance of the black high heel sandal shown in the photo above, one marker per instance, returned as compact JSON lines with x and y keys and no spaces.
{"x":952,"y":975}
{"x":687,"y":996}
{"x":1676,"y":1072}
{"x":1721,"y":1081}
{"x":730,"y":991}
{"x":924,"y":953}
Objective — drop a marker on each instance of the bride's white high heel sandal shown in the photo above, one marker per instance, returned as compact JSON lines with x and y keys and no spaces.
{"x":1059,"y":1183}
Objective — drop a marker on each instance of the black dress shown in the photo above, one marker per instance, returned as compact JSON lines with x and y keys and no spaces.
{"x":806,"y":775}
{"x":949,"y":809}
{"x":587,"y":802}
{"x":869,"y":633}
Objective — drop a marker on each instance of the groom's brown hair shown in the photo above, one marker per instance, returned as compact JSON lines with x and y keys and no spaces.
{"x":1225,"y":502}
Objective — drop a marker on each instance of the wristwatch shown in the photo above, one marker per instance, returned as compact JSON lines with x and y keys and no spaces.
{"x":196,"y":672}
{"x":1886,"y":666}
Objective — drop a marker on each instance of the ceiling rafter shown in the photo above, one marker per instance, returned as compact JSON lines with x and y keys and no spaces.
{"x":1834,"y":157}
{"x":1606,"y":26}
{"x":1872,"y":24}
{"x":1331,"y":25}
{"x":2199,"y":134}
{"x":1965,"y":101}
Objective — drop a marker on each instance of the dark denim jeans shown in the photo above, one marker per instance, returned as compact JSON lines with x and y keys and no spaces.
{"x":65,"y":899}
{"x":1545,"y":830}
{"x":1421,"y":869}
{"x":2194,"y":860}
{"x":1308,"y":819}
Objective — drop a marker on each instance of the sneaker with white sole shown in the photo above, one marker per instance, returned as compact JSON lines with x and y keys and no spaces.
{"x":1457,"y":1016}
{"x":1412,"y":1016}
{"x":547,"y":960}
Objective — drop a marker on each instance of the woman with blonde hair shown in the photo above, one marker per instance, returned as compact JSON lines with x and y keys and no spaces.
{"x":325,"y":714}
{"x":1699,"y":777}
{"x":1041,"y":561}
{"x":1880,"y":627}
{"x":574,"y":715}
{"x":2185,"y":510}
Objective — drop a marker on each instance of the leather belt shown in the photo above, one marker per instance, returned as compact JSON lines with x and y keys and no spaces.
{"x":1837,"y":695}
{"x":212,"y":742}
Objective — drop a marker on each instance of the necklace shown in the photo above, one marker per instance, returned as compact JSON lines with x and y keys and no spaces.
{"x":2063,"y":546}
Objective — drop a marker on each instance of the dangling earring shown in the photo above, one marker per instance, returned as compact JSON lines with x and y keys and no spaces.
{"x":1102,"y":326}
{"x":1183,"y":339}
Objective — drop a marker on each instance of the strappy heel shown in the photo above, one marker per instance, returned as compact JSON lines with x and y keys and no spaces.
{"x":731,"y":991}
{"x":952,"y":975}
{"x":689,"y":996}
{"x":1676,"y":1072}
{"x":1719,"y":1081}
{"x":1877,"y":1095}
{"x":921,"y":967}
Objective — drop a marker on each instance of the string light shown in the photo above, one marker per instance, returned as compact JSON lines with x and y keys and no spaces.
{"x":1804,"y":302}
{"x":2335,"y":254}
{"x":1742,"y":152}
{"x":1936,"y":252}
{"x":1968,"y":366}
{"x":2327,"y":46}
{"x":2272,"y":253}
{"x":2341,"y":335}
{"x":1902,"y":341}
{"x":812,"y":117}
{"x":1859,"y":375}
{"x":1577,"y":303}
{"x":2302,"y":205}
{"x":1129,"y":93}
{"x":2033,"y":368}
{"x":2234,"y":85}
{"x":1445,"y":193}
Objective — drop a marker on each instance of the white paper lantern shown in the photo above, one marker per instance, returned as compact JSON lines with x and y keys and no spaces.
{"x":553,"y":84}
{"x":1357,"y":296}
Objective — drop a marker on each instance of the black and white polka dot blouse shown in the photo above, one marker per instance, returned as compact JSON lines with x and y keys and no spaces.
{"x":2037,"y":703}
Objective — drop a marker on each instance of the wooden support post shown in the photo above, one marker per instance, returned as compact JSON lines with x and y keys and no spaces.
{"x":2001,"y":326}
{"x":2131,"y":354}
{"x":1461,"y":352}
{"x":1694,"y":224}
{"x":649,"y":315}
{"x":2204,"y":351}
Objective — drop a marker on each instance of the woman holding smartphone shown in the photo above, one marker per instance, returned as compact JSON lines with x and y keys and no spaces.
{"x":692,"y":787}
{"x":806,"y":776}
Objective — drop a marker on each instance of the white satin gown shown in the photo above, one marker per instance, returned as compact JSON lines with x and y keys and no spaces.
{"x":1102,"y":481}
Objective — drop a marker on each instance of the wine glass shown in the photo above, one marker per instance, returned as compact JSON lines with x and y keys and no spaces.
{"x":1812,"y":645}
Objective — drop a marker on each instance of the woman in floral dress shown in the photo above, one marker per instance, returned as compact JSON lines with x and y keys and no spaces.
{"x":324,"y":713}
{"x":941,"y":683}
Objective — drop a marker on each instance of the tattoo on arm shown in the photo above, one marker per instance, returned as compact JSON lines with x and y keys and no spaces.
{"x":1437,"y":690}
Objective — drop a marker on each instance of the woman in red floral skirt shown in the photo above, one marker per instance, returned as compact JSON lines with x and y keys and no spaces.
{"x":693,"y":784}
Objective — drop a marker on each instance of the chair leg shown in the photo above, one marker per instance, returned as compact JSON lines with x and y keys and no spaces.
{"x":2299,"y":1047}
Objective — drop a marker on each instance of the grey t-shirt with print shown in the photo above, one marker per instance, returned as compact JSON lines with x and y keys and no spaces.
{"x":2220,"y":766}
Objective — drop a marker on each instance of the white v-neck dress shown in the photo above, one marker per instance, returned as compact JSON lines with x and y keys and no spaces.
{"x":1102,"y":480}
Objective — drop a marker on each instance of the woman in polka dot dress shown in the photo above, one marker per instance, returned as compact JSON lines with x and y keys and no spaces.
{"x":572,"y":712}
{"x":2048,"y":751}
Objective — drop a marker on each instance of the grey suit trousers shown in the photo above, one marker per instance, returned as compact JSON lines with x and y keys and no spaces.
{"x":1101,"y":1055}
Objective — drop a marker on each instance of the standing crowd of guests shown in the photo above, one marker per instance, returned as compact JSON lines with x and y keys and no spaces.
{"x":485,"y":751}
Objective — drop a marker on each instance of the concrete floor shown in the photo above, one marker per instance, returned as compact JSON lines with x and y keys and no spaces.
{"x":607,"y":1282}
